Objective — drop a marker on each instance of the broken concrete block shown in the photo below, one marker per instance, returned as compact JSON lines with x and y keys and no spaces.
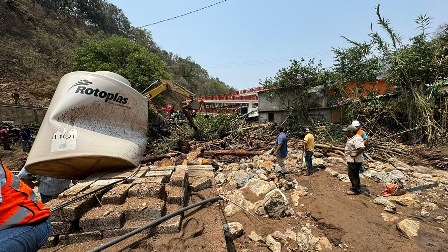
{"x":164,"y":174}
{"x":80,"y":237}
{"x":408,"y":227}
{"x":147,"y":190}
{"x":143,"y":180}
{"x":126,"y":173}
{"x":200,"y":183}
{"x":172,"y":225}
{"x":102,"y":218}
{"x":116,"y":195}
{"x":61,"y":227}
{"x":71,"y":212}
{"x":179,"y":176}
{"x":129,"y":226}
{"x":175,"y":195}
{"x":143,"y":209}
{"x":51,"y":242}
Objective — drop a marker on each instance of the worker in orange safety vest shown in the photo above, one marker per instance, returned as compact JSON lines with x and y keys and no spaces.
{"x":24,"y":220}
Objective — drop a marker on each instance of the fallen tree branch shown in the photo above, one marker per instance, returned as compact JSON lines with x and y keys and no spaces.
{"x":159,"y":157}
{"x":233,"y":152}
{"x":326,"y":146}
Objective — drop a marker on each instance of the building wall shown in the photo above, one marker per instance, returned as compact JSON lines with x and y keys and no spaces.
{"x":278,"y":117}
{"x":20,"y":115}
{"x":265,"y":105}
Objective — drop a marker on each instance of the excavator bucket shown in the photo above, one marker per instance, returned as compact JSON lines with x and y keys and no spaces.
{"x":194,"y":105}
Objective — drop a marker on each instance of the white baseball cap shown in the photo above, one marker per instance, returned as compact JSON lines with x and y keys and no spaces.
{"x":356,"y":123}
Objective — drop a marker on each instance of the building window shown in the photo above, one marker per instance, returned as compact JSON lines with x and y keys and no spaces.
{"x":270,"y":117}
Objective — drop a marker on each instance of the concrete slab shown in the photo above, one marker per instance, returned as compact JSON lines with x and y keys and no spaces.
{"x":102,"y":218}
{"x":143,"y":209}
{"x":116,"y":195}
{"x":79,"y":237}
{"x":147,"y":190}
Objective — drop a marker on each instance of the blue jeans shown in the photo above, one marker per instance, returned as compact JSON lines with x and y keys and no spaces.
{"x":26,"y":145}
{"x":309,"y":160}
{"x":25,"y":238}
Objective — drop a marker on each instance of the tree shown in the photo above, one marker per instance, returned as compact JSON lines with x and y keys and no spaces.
{"x":122,"y":56}
{"x":291,"y":84}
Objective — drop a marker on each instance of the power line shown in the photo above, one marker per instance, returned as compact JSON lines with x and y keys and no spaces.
{"x":188,"y":13}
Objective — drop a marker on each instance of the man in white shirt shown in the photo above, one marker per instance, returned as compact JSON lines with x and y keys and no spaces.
{"x":354,"y":157}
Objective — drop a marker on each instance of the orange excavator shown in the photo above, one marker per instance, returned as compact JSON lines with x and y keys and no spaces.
{"x":161,"y":85}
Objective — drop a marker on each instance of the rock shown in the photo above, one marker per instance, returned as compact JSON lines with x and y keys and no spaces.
{"x":255,"y":237}
{"x":306,"y":240}
{"x":259,"y":208}
{"x":424,"y":213}
{"x":408,"y":227}
{"x":332,"y":172}
{"x":318,"y":154}
{"x":237,"y":197}
{"x":318,"y":162}
{"x":290,"y":234}
{"x":400,"y":165}
{"x":277,"y":235}
{"x":260,"y":187}
{"x":389,"y":217}
{"x":273,"y":245}
{"x":430,"y":206}
{"x":324,"y":244}
{"x":220,"y":178}
{"x":267,"y":165}
{"x":301,"y":190}
{"x":409,"y":199}
{"x":241,"y":178}
{"x":421,"y":175}
{"x":389,"y":206}
{"x":275,"y":203}
{"x":295,"y":197}
{"x":344,"y":178}
{"x":440,"y":218}
{"x":233,"y":230}
{"x":335,"y":160}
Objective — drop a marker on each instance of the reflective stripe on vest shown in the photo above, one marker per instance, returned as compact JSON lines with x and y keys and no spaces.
{"x":19,"y":203}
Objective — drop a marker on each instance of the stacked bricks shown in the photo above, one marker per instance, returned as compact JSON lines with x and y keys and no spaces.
{"x":87,"y":219}
{"x":200,"y":177}
{"x":153,"y":193}
{"x":176,"y":198}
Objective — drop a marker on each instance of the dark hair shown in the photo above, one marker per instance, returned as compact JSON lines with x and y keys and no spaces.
{"x":280,"y":128}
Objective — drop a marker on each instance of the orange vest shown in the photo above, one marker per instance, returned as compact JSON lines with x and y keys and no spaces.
{"x":19,"y":204}
{"x":360,"y":131}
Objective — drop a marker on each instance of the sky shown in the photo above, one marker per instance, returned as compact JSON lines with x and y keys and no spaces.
{"x":243,"y":42}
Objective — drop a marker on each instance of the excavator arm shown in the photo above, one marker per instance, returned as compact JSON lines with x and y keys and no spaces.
{"x":168,"y":84}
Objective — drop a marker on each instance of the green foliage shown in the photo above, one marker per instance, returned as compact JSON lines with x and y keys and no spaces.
{"x":122,"y":56}
{"x":215,"y":127}
{"x":291,"y":84}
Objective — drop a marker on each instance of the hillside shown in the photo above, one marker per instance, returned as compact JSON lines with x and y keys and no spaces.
{"x":39,"y":38}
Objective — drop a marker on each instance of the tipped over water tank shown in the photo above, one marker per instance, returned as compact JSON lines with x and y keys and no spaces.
{"x":96,"y":122}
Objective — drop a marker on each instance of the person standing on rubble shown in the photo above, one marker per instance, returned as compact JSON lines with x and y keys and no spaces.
{"x":308,"y":148}
{"x":354,"y":157}
{"x":281,"y":148}
{"x":4,"y":137}
{"x":364,"y":136}
{"x":49,"y":188}
{"x":24,"y":220}
{"x":15,"y":96}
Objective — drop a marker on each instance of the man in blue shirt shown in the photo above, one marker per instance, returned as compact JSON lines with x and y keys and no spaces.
{"x":48,"y":188}
{"x":281,"y":148}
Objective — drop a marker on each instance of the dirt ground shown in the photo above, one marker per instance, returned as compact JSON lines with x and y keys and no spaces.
{"x":351,"y":223}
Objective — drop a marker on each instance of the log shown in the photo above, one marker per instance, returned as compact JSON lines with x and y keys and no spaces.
{"x":233,"y":152}
{"x":158,"y":157}
{"x":326,"y":146}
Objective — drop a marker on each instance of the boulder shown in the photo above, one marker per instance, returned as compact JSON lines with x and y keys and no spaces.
{"x":233,"y":230}
{"x":408,"y":227}
{"x":275,"y":203}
